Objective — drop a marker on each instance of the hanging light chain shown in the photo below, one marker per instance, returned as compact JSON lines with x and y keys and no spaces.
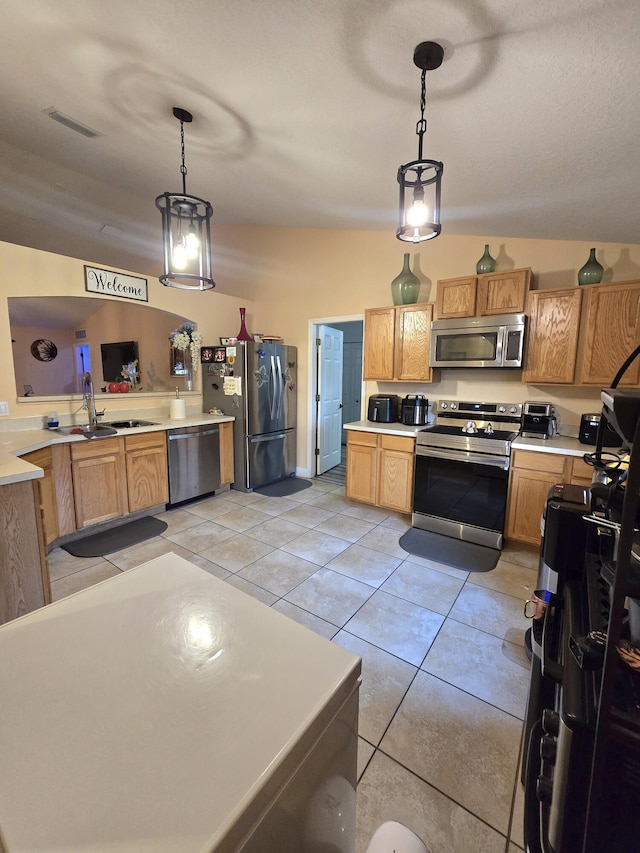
{"x":183,"y":168}
{"x":421,"y":125}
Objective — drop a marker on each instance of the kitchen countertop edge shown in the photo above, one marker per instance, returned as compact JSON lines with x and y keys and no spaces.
{"x":386,"y":429}
{"x":14,"y":443}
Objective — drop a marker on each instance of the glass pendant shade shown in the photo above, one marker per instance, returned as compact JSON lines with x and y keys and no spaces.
{"x":186,"y":231}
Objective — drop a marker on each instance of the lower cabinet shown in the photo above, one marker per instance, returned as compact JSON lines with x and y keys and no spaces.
{"x":532,"y":475}
{"x":226,"y":453}
{"x":99,"y":480}
{"x":380,"y":469}
{"x":147,"y":476}
{"x":24,"y":574}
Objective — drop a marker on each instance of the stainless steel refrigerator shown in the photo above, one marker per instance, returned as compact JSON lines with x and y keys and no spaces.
{"x":256,"y":384}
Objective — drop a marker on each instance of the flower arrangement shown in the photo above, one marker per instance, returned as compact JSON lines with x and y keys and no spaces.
{"x":188,"y":337}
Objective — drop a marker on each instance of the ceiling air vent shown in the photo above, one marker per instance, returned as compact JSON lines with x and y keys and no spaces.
{"x":81,"y":334}
{"x":70,"y":122}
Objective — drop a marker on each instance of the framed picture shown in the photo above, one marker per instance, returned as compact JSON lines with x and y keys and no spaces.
{"x":220,"y":354}
{"x":206,"y":355}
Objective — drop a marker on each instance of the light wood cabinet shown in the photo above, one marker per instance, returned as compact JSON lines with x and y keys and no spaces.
{"x":456,"y":297}
{"x":610,"y":332}
{"x":532,"y":475}
{"x":99,"y":480}
{"x":396,"y":459}
{"x":583,"y":335}
{"x":147,"y":475}
{"x":55,"y":490}
{"x":503,"y":292}
{"x":552,"y":336}
{"x":24,"y":575}
{"x":226,"y":453}
{"x":45,"y":487}
{"x":482,"y":295}
{"x":380,"y":469}
{"x":396,"y":343}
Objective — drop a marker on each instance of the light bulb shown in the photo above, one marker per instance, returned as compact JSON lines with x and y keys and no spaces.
{"x":192,"y":244}
{"x":180,"y":256}
{"x":418,"y":214}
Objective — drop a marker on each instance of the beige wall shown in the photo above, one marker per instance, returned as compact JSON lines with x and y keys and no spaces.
{"x":28,"y":272}
{"x":300,"y":274}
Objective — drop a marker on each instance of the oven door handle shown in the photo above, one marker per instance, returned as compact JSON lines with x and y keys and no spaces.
{"x":464,"y":456}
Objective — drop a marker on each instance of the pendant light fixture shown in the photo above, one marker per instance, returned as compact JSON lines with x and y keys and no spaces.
{"x":186,"y":233}
{"x":420,"y":180}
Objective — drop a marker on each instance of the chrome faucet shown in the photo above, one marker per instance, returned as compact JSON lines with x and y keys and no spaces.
{"x":89,"y":399}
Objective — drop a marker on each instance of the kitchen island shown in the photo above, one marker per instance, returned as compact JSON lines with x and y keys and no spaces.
{"x":164,"y":710}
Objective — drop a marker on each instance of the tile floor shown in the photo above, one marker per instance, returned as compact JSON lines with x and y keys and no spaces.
{"x":444,"y":672}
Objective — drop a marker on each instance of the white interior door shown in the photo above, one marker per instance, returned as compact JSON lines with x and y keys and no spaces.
{"x":329,"y":398}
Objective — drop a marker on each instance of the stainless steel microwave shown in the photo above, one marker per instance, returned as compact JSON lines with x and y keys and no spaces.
{"x":496,"y":341}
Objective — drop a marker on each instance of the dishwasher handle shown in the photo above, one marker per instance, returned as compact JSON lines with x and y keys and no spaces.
{"x":198,"y":434}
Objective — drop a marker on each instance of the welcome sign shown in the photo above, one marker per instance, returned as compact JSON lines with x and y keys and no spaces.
{"x":109,"y":283}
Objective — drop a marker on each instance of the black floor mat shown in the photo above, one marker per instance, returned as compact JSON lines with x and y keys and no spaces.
{"x":282,"y":488}
{"x":451,"y":552}
{"x":117,"y":538}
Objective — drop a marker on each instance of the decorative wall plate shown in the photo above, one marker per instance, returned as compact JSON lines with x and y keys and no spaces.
{"x":44,"y":350}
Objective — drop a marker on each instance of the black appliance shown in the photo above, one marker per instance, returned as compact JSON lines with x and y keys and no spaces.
{"x":581,"y":764}
{"x":384,"y":408}
{"x":415,"y":409}
{"x":462,"y":471}
{"x":538,"y":420}
{"x":588,"y":432}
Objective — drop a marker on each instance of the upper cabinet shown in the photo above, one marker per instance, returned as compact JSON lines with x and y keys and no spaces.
{"x":553,"y":318}
{"x":482,"y":295}
{"x":610,"y":332}
{"x":396,"y":343}
{"x":583,"y":335}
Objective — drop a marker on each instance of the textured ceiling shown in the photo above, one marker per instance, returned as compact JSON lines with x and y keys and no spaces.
{"x":304,"y":109}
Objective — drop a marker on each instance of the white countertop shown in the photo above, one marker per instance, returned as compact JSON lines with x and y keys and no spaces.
{"x":148,"y":712}
{"x":557,"y":444}
{"x":16,"y":442}
{"x":565,"y":445}
{"x":385,"y":429}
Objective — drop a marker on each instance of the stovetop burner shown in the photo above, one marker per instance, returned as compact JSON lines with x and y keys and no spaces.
{"x":473,"y":427}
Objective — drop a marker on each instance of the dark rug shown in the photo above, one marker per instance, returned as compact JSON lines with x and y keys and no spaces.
{"x":282,"y":488}
{"x":451,"y":552}
{"x":131,"y":533}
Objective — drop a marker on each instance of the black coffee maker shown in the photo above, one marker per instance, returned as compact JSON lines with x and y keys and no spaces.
{"x":538,"y":420}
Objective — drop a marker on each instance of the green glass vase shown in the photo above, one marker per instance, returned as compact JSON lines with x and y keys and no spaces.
{"x":486,"y":262}
{"x":406,"y":286}
{"x":591,"y":272}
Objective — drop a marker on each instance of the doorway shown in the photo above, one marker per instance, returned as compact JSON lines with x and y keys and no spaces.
{"x":329,"y":440}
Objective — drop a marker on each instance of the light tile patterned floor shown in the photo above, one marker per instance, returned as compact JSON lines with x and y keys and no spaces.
{"x":444,"y":671}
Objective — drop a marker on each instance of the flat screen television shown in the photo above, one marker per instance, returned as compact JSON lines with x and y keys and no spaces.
{"x":114,"y":356}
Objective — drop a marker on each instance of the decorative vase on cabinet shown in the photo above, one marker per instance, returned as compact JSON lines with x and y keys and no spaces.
{"x":486,"y":263}
{"x":405,"y":287}
{"x":591,"y":272}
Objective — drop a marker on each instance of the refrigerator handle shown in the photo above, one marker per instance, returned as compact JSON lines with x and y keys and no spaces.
{"x":280,"y":384}
{"x":273,"y":390}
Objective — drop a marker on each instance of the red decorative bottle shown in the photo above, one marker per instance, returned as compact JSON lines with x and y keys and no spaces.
{"x":243,"y":335}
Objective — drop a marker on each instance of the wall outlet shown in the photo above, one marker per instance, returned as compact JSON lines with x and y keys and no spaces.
{"x":4,"y":409}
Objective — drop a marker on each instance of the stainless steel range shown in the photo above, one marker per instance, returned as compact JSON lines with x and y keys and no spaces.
{"x":462,"y":470}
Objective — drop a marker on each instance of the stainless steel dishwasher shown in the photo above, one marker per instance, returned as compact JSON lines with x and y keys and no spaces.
{"x":194,"y":461}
